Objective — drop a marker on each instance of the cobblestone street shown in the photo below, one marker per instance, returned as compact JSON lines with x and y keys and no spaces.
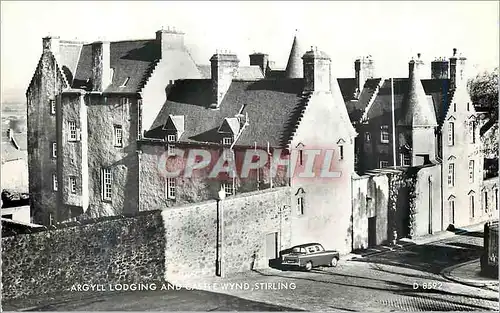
{"x":404,"y":280}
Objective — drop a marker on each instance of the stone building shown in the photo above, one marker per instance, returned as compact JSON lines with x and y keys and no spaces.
{"x":104,"y":118}
{"x":281,"y":110}
{"x":435,"y":123}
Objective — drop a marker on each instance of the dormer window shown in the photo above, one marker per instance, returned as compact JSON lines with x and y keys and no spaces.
{"x":125,"y":82}
{"x":227,"y":141}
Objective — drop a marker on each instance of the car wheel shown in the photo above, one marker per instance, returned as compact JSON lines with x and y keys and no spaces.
{"x":334,"y":262}
{"x":309,"y":266}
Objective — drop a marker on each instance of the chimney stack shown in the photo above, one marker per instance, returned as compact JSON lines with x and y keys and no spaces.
{"x":224,"y":68}
{"x":52,"y":44}
{"x":363,"y":69}
{"x":317,"y":71}
{"x":262,"y":60}
{"x":101,"y":65}
{"x":457,"y":67}
{"x":170,"y":39}
{"x":439,"y":69}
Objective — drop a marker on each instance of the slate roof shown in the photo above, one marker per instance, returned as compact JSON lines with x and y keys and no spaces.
{"x":252,"y":72}
{"x":132,"y":59}
{"x":417,"y":110}
{"x":438,"y":89}
{"x":269,"y":104}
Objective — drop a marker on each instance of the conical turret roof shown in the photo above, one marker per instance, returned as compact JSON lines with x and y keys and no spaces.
{"x":416,"y":108}
{"x":295,"y":67}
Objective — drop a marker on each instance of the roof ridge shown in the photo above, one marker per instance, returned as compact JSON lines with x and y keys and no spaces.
{"x":372,"y":99}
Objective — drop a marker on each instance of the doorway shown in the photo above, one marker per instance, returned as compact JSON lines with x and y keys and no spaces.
{"x":372,"y":231}
{"x":272,"y":246}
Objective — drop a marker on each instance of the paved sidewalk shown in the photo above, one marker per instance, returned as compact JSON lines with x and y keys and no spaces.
{"x":405,"y":242}
{"x":468,"y":273}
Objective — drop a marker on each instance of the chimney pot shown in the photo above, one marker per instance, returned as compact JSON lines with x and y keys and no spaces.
{"x":418,"y":55}
{"x":454,"y":51}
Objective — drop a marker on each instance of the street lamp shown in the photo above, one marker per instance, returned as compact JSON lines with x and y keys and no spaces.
{"x":221,"y":195}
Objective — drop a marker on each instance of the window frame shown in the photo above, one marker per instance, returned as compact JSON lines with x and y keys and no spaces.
{"x":368,"y":137}
{"x":228,"y":188}
{"x":72,"y":184}
{"x":383,"y":162}
{"x":118,"y":140}
{"x":72,"y":131}
{"x":107,"y":180}
{"x":300,"y":205}
{"x":384,"y":130}
{"x":471,"y":206}
{"x":451,"y":174}
{"x":170,"y":188}
{"x":405,"y":157}
{"x":451,"y":133}
{"x":54,"y":150}
{"x":55,"y":185}
{"x":451,"y":207}
{"x":471,"y":171}
{"x":341,"y":152}
{"x":52,"y":104}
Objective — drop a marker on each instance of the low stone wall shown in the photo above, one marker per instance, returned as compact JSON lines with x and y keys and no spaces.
{"x":191,"y":233}
{"x":172,"y":244}
{"x":124,"y":250}
{"x":370,"y":205}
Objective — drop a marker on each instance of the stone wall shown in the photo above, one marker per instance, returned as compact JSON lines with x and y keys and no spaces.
{"x":428,"y":213}
{"x":172,"y":244}
{"x":370,"y":203}
{"x":123,"y":250}
{"x":191,"y":233}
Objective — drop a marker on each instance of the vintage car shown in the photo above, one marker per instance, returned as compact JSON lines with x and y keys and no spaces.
{"x":309,"y":255}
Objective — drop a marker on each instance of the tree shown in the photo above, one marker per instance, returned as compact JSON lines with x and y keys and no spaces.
{"x":483,"y":90}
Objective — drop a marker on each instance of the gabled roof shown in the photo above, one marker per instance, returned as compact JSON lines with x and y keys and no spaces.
{"x":174,"y":122}
{"x":230,"y":125}
{"x":356,"y":107}
{"x":416,"y":108}
{"x":131,"y":59}
{"x":295,"y":66}
{"x":269,"y":105}
{"x":252,"y":72}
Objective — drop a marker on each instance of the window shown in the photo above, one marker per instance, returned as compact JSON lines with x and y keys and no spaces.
{"x":7,"y":216}
{"x":72,"y":184}
{"x":384,"y":164}
{"x":170,"y":147}
{"x":124,"y":101}
{"x":451,"y":175}
{"x":118,"y":136}
{"x":384,"y":134}
{"x":405,"y":159}
{"x":227,"y":141}
{"x":454,"y":107}
{"x":52,"y":107}
{"x":473,"y":131}
{"x":125,"y":82}
{"x":451,"y":133}
{"x":107,"y":180}
{"x":170,"y":187}
{"x":368,"y":137}
{"x":496,"y":199}
{"x":301,"y":157}
{"x":54,"y":182}
{"x":228,"y":188}
{"x":300,"y":205}
{"x":341,"y":148}
{"x":72,"y":131}
{"x":485,"y":201}
{"x":471,"y":205}
{"x":468,"y":106}
{"x":471,"y":171}
{"x":451,"y":206}
{"x":54,"y":150}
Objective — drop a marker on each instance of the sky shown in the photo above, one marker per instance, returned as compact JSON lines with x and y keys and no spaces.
{"x":391,"y":32}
